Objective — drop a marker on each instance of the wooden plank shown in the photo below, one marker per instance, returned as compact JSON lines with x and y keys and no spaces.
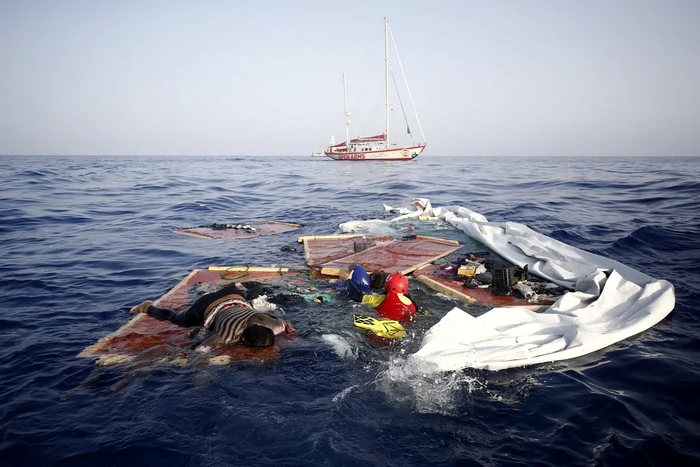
{"x":322,"y":250}
{"x":327,"y":237}
{"x":307,"y":251}
{"x":335,"y":271}
{"x":262,"y":228}
{"x":142,"y":333}
{"x":396,"y":256}
{"x":437,"y":239}
{"x":456,"y":289}
{"x":247,"y":269}
{"x":194,"y":233}
{"x":444,"y":289}
{"x":133,"y":322}
{"x":385,"y":259}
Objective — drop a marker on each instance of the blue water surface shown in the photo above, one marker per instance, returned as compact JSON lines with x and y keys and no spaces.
{"x":82,"y":239}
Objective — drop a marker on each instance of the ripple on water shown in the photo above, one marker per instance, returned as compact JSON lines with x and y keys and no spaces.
{"x":83,"y":239}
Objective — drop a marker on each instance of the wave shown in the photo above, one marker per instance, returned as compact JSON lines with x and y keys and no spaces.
{"x":86,"y":238}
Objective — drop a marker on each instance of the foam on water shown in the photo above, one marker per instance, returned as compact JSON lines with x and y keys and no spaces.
{"x":341,"y":346}
{"x":417,"y":384}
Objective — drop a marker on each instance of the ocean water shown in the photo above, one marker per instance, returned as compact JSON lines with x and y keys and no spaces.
{"x":82,"y":239}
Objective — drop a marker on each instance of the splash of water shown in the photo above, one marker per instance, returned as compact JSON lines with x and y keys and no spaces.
{"x":416,"y":383}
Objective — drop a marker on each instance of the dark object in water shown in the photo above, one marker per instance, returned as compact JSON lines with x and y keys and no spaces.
{"x":359,"y":246}
{"x":472,"y":283}
{"x":506,"y":276}
{"x":254,"y":289}
{"x":485,"y":278}
{"x":286,"y":299}
{"x":216,"y":226}
{"x":446,"y":270}
{"x":378,"y":279}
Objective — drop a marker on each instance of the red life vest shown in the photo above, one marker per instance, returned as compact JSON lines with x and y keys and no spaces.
{"x":393,"y":308}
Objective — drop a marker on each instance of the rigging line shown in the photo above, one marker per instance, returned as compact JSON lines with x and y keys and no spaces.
{"x":408,"y":129}
{"x":406,"y":81}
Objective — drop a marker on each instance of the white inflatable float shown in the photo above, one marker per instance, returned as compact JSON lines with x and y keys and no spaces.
{"x":609,"y":301}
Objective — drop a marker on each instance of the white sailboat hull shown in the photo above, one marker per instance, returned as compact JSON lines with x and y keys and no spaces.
{"x":397,"y":154}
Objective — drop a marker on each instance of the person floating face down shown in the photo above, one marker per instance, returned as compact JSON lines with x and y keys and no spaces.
{"x":393,"y":304}
{"x":228,"y":315}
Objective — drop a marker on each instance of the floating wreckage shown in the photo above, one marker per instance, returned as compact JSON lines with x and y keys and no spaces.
{"x":606,"y":302}
{"x":234,"y":231}
{"x":551,"y":301}
{"x":385,"y":253}
{"x":143,"y":333}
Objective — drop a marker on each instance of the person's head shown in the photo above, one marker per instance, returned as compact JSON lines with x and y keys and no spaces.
{"x":258,"y":336}
{"x":359,"y":279}
{"x":396,"y":283}
{"x":378,"y":279}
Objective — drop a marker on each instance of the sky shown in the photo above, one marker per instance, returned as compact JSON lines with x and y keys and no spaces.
{"x":556,"y":78}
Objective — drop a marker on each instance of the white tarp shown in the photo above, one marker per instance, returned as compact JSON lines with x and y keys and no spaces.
{"x":609,"y":302}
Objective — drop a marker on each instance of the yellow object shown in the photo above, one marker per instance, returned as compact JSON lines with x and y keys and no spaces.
{"x":375,"y":300}
{"x":380,"y":326}
{"x":467,"y":270}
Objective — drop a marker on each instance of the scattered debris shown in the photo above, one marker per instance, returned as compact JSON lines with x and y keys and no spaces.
{"x":489,"y":280}
{"x":231,"y":231}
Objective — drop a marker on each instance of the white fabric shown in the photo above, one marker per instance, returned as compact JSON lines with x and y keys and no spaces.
{"x":609,"y":302}
{"x":260,"y":303}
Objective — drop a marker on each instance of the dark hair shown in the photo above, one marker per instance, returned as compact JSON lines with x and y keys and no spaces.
{"x":258,"y":336}
{"x":378,"y":279}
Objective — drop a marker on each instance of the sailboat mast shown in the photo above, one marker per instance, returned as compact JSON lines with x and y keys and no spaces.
{"x":386,"y":76}
{"x":347,"y":115}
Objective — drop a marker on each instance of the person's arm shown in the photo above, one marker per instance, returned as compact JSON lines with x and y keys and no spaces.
{"x":353,"y":292}
{"x":373,"y":300}
{"x":277,"y":325}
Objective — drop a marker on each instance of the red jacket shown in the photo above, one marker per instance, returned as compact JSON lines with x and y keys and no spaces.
{"x":393,"y":306}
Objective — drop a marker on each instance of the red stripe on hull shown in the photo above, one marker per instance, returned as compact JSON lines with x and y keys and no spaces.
{"x":407,"y":154}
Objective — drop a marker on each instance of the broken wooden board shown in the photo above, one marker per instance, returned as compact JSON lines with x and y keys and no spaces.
{"x":262,"y":228}
{"x":456,"y":289}
{"x":395,"y":256}
{"x":231,"y":273}
{"x":143,"y":333}
{"x":320,"y":250}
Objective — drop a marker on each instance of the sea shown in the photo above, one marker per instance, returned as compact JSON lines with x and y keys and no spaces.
{"x":83,"y":239}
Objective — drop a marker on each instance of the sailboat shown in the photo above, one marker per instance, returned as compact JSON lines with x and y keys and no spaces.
{"x":377,"y":147}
